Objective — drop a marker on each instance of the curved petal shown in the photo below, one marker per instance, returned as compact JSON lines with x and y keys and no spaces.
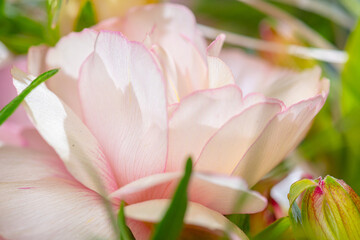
{"x":68,"y":55}
{"x":19,"y":164}
{"x":124,"y":104}
{"x":170,"y":73}
{"x":164,"y":21}
{"x":226,"y":147}
{"x":251,"y":73}
{"x":206,"y":189}
{"x":225,"y":194}
{"x":36,"y":59}
{"x":215,"y":47}
{"x":219,"y":74}
{"x":134,"y":191}
{"x":196,"y":119}
{"x":51,"y":208}
{"x":296,"y":87}
{"x":196,"y":215}
{"x":64,"y":131}
{"x":173,"y":27}
{"x":280,"y":136}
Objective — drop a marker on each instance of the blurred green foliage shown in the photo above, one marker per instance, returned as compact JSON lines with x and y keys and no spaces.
{"x":86,"y":16}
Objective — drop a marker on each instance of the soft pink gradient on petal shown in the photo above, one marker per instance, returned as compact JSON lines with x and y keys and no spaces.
{"x":131,"y":121}
{"x":51,"y":208}
{"x":225,"y":194}
{"x":251,"y":73}
{"x":172,"y":27}
{"x":206,"y":189}
{"x":196,"y":119}
{"x":68,"y":55}
{"x":225,"y":148}
{"x":11,"y":130}
{"x":282,"y":134}
{"x":8,"y":92}
{"x":66,"y":133}
{"x":215,"y":47}
{"x":36,"y":59}
{"x":219,"y":74}
{"x":38,"y":165}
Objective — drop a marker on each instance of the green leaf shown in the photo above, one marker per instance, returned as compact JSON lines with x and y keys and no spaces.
{"x":125,"y":233}
{"x":276,"y":231}
{"x":172,"y":223}
{"x":86,"y":17}
{"x":298,"y":187}
{"x":6,"y":112}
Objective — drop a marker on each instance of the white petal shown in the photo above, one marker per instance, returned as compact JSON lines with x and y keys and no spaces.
{"x":64,"y":131}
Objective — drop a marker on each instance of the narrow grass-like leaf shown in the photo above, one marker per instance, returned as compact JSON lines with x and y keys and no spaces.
{"x":172,"y":223}
{"x":6,"y":112}
{"x":87,"y":17}
{"x":125,"y":233}
{"x":281,"y":229}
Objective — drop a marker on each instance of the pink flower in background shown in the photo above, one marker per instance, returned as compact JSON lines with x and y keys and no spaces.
{"x":132,"y":106}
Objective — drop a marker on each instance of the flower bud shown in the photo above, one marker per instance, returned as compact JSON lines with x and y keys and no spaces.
{"x":330,"y":209}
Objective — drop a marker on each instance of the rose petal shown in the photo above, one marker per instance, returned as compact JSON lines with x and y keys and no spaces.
{"x":134,"y":137}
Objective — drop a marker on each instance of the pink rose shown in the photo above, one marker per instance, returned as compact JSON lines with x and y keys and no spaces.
{"x":128,"y":108}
